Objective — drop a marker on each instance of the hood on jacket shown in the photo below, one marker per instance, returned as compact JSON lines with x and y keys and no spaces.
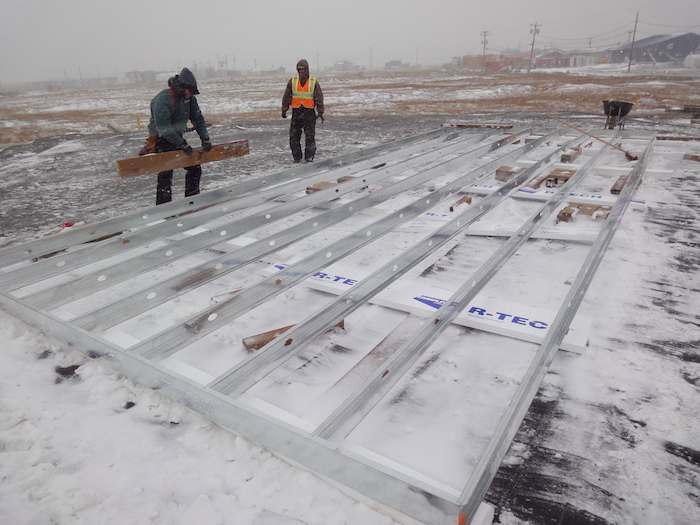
{"x":187,"y":81}
{"x":305,"y":64}
{"x":174,"y":84}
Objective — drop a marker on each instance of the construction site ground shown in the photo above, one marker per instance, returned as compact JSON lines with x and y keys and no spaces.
{"x":602,"y":452}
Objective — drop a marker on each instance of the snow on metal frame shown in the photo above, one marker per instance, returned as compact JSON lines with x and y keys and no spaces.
{"x":414,"y":495}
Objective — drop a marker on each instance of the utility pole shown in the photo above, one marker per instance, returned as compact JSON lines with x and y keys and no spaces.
{"x":532,"y":49}
{"x":629,"y":65}
{"x":484,"y":34}
{"x":370,"y":59}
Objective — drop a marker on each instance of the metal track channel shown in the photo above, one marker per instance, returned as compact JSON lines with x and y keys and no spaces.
{"x":176,"y":209}
{"x":174,"y":338}
{"x":237,"y":258}
{"x":102,"y":278}
{"x":59,"y":264}
{"x":327,"y":447}
{"x":361,"y":402}
{"x":478,"y":484}
{"x":257,"y":366}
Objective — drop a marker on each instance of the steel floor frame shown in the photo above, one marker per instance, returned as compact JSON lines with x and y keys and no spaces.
{"x":320,"y":450}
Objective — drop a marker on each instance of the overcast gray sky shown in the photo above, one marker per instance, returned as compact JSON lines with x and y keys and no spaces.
{"x":56,"y":39}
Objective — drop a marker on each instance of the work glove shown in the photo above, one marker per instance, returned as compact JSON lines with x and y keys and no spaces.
{"x":186,"y":148}
{"x":206,"y":145}
{"x":322,"y":119}
{"x":284,"y":114}
{"x":149,"y":145}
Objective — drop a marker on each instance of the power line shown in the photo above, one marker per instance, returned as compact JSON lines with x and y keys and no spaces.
{"x":685,"y":28}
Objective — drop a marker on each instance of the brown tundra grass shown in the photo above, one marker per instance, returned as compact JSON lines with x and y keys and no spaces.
{"x":29,"y":116}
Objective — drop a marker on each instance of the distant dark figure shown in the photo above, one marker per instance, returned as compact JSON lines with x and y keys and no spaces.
{"x":170,"y":111}
{"x":305,"y":97}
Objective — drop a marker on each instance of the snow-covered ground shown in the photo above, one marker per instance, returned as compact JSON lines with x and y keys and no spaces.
{"x":611,"y":438}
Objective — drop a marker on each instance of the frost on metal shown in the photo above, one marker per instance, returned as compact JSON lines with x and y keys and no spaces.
{"x":403,"y":340}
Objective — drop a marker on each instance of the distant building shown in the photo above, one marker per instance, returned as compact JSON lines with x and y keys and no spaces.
{"x":587,"y":57}
{"x":514,"y":60}
{"x":552,"y":58}
{"x":273,"y":71}
{"x":479,"y":61}
{"x":344,"y":65}
{"x":396,"y":64}
{"x":140,"y":77}
{"x":660,"y":48}
{"x":456,"y":63}
{"x":692,"y":61}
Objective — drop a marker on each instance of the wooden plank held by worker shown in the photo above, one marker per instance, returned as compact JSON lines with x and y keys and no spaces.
{"x":171,"y":160}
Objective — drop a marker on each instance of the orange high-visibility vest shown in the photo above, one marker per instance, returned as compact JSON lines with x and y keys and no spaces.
{"x":303,"y":95}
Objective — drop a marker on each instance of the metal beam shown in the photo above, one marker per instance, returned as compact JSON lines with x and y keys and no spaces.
{"x":483,"y":474}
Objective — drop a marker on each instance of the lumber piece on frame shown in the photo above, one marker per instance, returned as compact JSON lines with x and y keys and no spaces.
{"x":464,"y":200}
{"x":323,"y":185}
{"x":619,"y":184}
{"x":171,"y":160}
{"x":256,"y":342}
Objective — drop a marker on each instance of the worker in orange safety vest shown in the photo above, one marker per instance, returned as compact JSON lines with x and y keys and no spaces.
{"x":303,"y":94}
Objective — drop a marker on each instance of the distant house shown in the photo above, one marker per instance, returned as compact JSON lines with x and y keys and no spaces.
{"x":456,"y":63}
{"x":345,"y":65}
{"x":587,"y":57}
{"x":659,"y":48}
{"x":477,"y":61}
{"x":396,"y":64}
{"x":552,"y":58}
{"x":515,"y":60}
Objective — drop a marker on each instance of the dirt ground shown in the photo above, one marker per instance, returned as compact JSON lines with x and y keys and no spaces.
{"x":34,"y":115}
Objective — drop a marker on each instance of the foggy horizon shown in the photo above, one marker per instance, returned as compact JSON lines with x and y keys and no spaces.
{"x":77,"y":39}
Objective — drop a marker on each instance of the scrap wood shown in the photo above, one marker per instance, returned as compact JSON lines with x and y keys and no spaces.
{"x":567,"y":214}
{"x":619,"y":184}
{"x":216,"y":297}
{"x":256,"y":342}
{"x":346,"y":178}
{"x":630,"y":156}
{"x":463,"y":200}
{"x":505,"y":173}
{"x":594,"y":211}
{"x":557,"y":176}
{"x":571,"y":155}
{"x":319,"y":186}
{"x":553,"y":178}
{"x":171,"y":160}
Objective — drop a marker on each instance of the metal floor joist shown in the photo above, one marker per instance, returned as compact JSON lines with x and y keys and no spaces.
{"x":164,"y":295}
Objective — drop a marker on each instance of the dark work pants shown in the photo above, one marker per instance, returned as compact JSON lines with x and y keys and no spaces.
{"x":303,"y":119}
{"x":164,"y":190}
